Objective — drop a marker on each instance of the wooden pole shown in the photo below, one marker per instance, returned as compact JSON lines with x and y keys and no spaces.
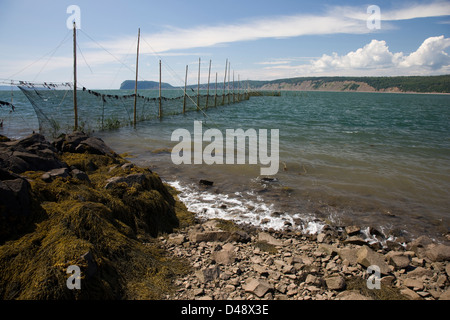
{"x":209,"y":78}
{"x":75,"y":106}
{"x":198,"y":86}
{"x":215,"y":94}
{"x":136,"y":83}
{"x":239,"y":87}
{"x":185,"y":86}
{"x":160,"y":97}
{"x":229,"y":67}
{"x":224,"y":81}
{"x":234,"y":97}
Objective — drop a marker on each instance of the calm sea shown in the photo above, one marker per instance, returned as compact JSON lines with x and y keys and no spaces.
{"x":368,"y":159}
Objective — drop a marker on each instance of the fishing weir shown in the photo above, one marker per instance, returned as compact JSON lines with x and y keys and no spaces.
{"x":65,"y":107}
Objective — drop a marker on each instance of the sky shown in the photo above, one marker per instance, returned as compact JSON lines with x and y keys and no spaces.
{"x":262,"y":40}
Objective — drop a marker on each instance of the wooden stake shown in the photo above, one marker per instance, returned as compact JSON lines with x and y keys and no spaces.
{"x":198,"y":86}
{"x":160,"y":97}
{"x":136,"y":83}
{"x":209,"y":78}
{"x":185,"y":93}
{"x":234,"y":98}
{"x":215,"y":94}
{"x":75,"y":107}
{"x":224,"y":81}
{"x":229,"y":67}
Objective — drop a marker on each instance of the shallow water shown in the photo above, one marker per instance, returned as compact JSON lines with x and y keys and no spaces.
{"x":369,"y":159}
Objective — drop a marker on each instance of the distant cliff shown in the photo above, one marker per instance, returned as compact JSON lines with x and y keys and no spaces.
{"x":143,"y":85}
{"x":432,"y":84}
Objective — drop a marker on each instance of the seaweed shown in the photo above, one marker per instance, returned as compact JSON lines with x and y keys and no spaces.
{"x":116,"y":228}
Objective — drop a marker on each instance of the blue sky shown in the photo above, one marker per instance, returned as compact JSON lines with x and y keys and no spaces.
{"x":263,"y":40}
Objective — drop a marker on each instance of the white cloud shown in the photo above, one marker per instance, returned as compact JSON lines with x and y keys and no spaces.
{"x":430,"y":54}
{"x":373,"y":59}
{"x":376,"y":55}
{"x":409,"y":11}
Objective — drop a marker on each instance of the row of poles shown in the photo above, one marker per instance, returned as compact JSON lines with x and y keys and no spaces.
{"x":227,"y":72}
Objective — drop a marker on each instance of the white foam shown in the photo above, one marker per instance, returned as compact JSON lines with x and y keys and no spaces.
{"x":243,"y":209}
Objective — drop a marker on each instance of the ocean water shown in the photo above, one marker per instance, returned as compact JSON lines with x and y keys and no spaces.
{"x":346,"y":158}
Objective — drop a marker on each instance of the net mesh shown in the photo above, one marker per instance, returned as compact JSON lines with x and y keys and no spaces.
{"x":102,"y":111}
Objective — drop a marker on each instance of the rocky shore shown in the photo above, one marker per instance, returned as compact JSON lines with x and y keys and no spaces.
{"x":74,"y":201}
{"x":245,"y":264}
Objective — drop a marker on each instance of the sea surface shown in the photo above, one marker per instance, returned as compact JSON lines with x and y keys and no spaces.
{"x":378,"y":160}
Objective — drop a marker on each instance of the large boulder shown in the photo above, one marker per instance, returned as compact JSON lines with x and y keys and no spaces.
{"x":32,"y":153}
{"x":79,"y":142}
{"x":17,"y":212}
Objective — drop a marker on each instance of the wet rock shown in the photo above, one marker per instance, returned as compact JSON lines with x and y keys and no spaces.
{"x":206,"y":183}
{"x":352,"y":230}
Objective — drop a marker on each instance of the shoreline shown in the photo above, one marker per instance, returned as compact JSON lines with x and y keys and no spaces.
{"x":230,"y":262}
{"x":120,"y":217}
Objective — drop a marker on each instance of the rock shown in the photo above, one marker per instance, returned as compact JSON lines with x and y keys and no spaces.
{"x":356,"y":240}
{"x":62,"y":173}
{"x":438,"y":252}
{"x":349,"y":254}
{"x":130,"y":180}
{"x":223,"y":257}
{"x":209,"y":236}
{"x":79,"y":142}
{"x":264,"y":236}
{"x":94,"y":145}
{"x":177,"y":239}
{"x":352,"y":230}
{"x":410,"y":294}
{"x":420,"y":272}
{"x":351,"y":295}
{"x":413,"y":283}
{"x":312,"y":279}
{"x":80,"y":175}
{"x":91,"y":269}
{"x":321,"y":237}
{"x":32,"y":153}
{"x":206,"y":183}
{"x":240,"y":236}
{"x":445,"y":295}
{"x":367,"y":257}
{"x":419,"y":245}
{"x":258,"y":287}
{"x":208,"y":274}
{"x":335,"y":283}
{"x":16,"y":206}
{"x":399,"y":261}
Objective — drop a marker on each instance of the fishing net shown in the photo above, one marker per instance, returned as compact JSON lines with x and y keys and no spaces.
{"x":97,"y":111}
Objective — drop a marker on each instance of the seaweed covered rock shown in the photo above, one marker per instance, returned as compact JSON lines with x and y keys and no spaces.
{"x":109,"y":233}
{"x":32,"y":153}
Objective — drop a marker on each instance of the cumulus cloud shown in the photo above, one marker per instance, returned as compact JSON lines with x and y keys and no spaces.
{"x":376,"y":55}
